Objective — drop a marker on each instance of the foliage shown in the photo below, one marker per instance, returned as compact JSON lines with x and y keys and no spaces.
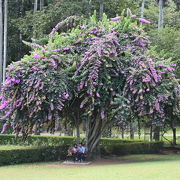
{"x":166,"y":43}
{"x":37,"y":140}
{"x":131,"y":148}
{"x":106,"y":66}
{"x":27,"y":154}
{"x":32,"y":154}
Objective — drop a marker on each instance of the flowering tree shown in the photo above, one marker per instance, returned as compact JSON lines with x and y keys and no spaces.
{"x":100,"y":70}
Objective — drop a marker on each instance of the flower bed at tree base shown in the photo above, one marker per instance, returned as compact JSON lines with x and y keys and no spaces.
{"x":125,"y":148}
{"x":32,"y":154}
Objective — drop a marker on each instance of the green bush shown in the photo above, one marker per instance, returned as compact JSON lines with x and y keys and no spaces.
{"x":32,"y":154}
{"x":136,"y":147}
{"x":37,"y":140}
{"x":53,"y":148}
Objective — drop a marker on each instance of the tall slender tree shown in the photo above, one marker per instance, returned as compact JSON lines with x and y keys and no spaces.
{"x":101,"y":9}
{"x":1,"y":41}
{"x":142,"y":9}
{"x":35,"y":5}
{"x":41,"y":4}
{"x":5,"y":38}
{"x":161,"y":14}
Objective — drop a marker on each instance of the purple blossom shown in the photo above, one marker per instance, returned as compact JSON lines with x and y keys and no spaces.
{"x":98,"y":95}
{"x":11,"y":67}
{"x":36,"y":56}
{"x":128,"y":12}
{"x":102,"y":114}
{"x":144,"y":21}
{"x":65,"y":95}
{"x":4,"y":104}
{"x":34,"y":68}
{"x":49,"y":116}
{"x":66,"y":49}
{"x":147,"y":78}
{"x":99,"y":52}
{"x":17,"y":81}
{"x":56,"y":50}
{"x":52,"y":106}
{"x":83,"y":27}
{"x":90,"y":92}
{"x":5,"y":127}
{"x":36,"y":45}
{"x":133,"y":16}
{"x":170,"y":69}
{"x":53,"y":62}
{"x":116,"y":18}
{"x":82,"y":105}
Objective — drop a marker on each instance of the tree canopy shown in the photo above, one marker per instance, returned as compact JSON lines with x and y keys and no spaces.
{"x":106,"y":69}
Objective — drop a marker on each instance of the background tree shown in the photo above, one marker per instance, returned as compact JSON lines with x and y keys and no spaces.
{"x":1,"y":42}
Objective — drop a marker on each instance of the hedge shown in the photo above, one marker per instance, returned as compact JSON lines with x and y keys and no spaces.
{"x":36,"y":140}
{"x":52,"y":148}
{"x":32,"y":154}
{"x":131,"y":148}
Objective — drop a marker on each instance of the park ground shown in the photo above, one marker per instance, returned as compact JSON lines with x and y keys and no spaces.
{"x":132,"y":167}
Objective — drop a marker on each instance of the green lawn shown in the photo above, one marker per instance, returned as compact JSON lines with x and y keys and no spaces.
{"x":133,"y":167}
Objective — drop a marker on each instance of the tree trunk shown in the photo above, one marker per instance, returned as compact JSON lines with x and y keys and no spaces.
{"x":35,"y":5}
{"x":101,"y":10}
{"x":77,"y":129}
{"x":151,"y":133}
{"x":1,"y":43}
{"x":157,"y":133}
{"x":41,"y":4}
{"x":131,"y":131}
{"x":93,"y":136}
{"x":122,"y":133}
{"x":142,"y":9}
{"x":174,"y":135}
{"x":89,"y":8}
{"x":5,"y":38}
{"x":139,"y":129}
{"x":161,"y":15}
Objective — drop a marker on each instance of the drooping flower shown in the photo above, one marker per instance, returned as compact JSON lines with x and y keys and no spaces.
{"x":52,"y":106}
{"x":144,"y":20}
{"x":102,"y":114}
{"x":66,"y":49}
{"x":36,"y":56}
{"x":65,"y":95}
{"x":128,"y":12}
{"x":99,"y":52}
{"x":56,"y":50}
{"x":116,"y":18}
{"x":83,"y":27}
{"x":98,"y":95}
{"x":133,"y":16}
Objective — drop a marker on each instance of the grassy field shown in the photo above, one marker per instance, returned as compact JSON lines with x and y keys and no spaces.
{"x":133,"y":167}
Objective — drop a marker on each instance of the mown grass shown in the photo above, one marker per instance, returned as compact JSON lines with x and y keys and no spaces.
{"x":133,"y":167}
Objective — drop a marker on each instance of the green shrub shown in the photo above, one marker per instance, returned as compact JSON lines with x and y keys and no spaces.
{"x":37,"y":140}
{"x":32,"y":154}
{"x":136,"y":147}
{"x":52,"y":148}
